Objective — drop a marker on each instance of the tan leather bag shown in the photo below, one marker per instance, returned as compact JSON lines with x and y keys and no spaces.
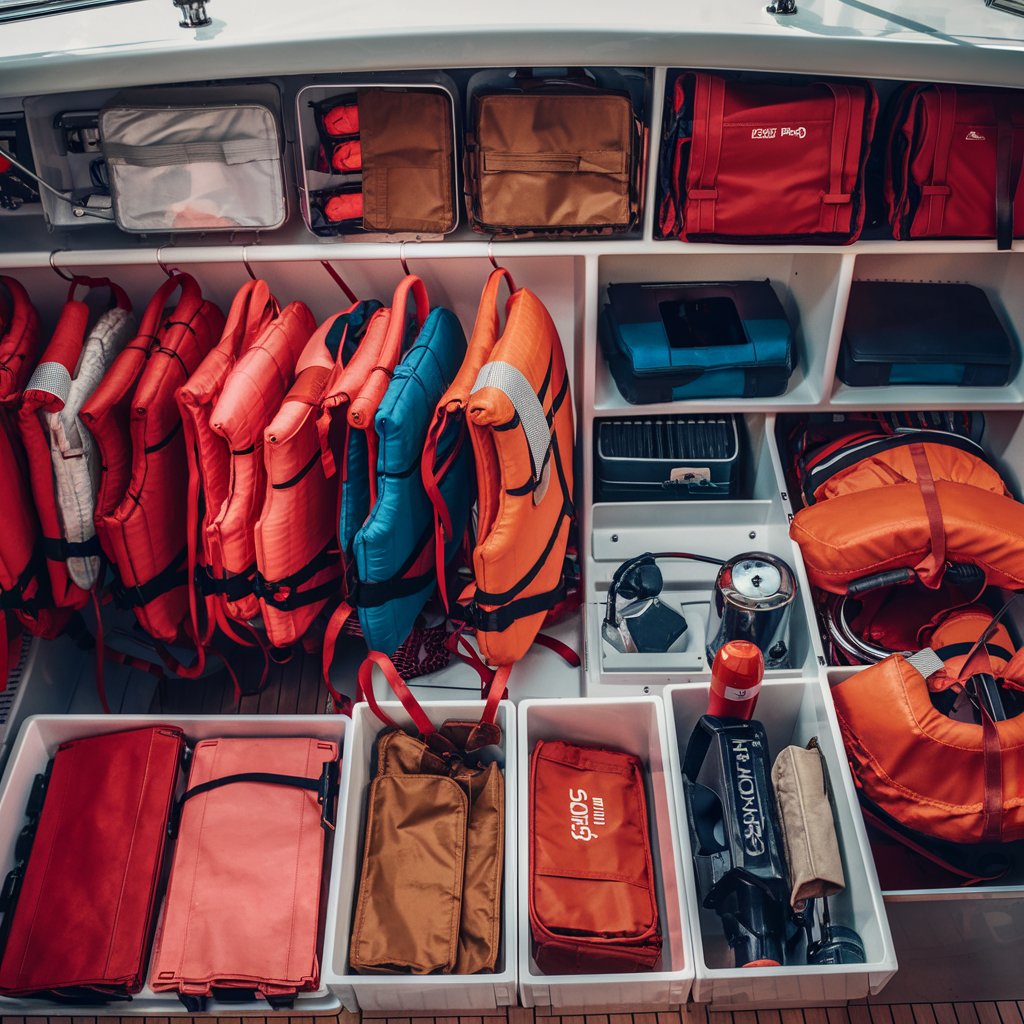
{"x":429,"y":898}
{"x":558,"y":157}
{"x":407,"y":147}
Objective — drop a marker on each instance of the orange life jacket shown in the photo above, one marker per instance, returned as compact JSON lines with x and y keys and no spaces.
{"x":300,"y":569}
{"x":520,"y":419}
{"x":209,"y":455}
{"x":45,"y":395}
{"x":914,"y":503}
{"x":142,"y":505}
{"x":23,"y":579}
{"x":953,"y":781}
{"x":251,"y":395}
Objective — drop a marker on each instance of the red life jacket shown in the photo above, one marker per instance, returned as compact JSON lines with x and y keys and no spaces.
{"x":142,"y":505}
{"x":300,"y":570}
{"x":252,"y":394}
{"x":45,"y":394}
{"x":23,"y":584}
{"x":209,"y":454}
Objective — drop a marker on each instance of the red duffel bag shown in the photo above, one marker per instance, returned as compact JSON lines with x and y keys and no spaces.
{"x":954,"y":163}
{"x":593,"y":904}
{"x":750,"y":160}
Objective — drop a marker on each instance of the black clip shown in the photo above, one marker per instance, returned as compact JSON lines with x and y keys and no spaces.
{"x":37,"y":796}
{"x":327,"y":794}
{"x":10,"y":888}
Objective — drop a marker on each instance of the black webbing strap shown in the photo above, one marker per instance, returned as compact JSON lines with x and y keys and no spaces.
{"x":284,"y":593}
{"x":14,"y":599}
{"x":233,"y":588}
{"x":501,"y":618}
{"x":1008,"y":171}
{"x":325,"y":787}
{"x":175,"y":575}
{"x":57,"y":549}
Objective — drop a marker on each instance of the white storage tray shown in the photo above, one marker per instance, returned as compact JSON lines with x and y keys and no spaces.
{"x":637,"y":726}
{"x":36,"y":744}
{"x":403,"y":994}
{"x":792,"y":712}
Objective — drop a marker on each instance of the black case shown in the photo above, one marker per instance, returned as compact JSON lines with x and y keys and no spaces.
{"x":901,"y":332}
{"x":666,"y":458}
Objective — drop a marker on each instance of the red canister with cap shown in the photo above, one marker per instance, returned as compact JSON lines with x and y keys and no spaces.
{"x":736,"y":676}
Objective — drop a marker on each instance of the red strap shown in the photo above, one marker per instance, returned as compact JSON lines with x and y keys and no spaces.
{"x":946,"y":99}
{"x":931,"y":569}
{"x":398,"y":688}
{"x":334,"y":626}
{"x":837,"y":194}
{"x":707,"y":144}
{"x":101,"y":678}
{"x":992,"y":821}
{"x":497,"y":692}
{"x":564,"y":651}
{"x":339,"y":281}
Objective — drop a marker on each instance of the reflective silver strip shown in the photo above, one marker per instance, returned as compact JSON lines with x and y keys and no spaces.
{"x":229,"y":151}
{"x":927,"y":662}
{"x":512,"y":383}
{"x":53,"y":378}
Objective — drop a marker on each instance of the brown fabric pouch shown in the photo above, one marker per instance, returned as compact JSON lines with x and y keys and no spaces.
{"x":429,"y":897}
{"x":554,"y":162}
{"x":407,"y":148}
{"x":808,"y":828}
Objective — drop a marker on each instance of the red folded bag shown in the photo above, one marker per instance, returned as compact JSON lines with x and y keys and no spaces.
{"x":79,"y":921}
{"x":750,"y":160}
{"x":242,"y":910}
{"x":593,"y":906}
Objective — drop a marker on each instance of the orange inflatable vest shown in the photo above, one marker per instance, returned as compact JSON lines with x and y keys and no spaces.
{"x":209,"y":456}
{"x":912,"y":504}
{"x":300,"y":570}
{"x":251,"y":395}
{"x":519,"y":414}
{"x":23,"y":580}
{"x":47,"y":392}
{"x":949,"y":780}
{"x":142,"y":505}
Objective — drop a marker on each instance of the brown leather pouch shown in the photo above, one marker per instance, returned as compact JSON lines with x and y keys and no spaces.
{"x":429,"y":899}
{"x":560,"y":158}
{"x":407,"y":145}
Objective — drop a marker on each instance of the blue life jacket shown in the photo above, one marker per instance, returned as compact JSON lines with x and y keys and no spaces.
{"x":394,"y":548}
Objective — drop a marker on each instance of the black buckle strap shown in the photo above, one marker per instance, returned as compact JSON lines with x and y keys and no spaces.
{"x":325,"y":787}
{"x":285,"y":594}
{"x":500,"y":619}
{"x":14,"y":599}
{"x":175,"y":575}
{"x":232,"y":588}
{"x":57,"y":549}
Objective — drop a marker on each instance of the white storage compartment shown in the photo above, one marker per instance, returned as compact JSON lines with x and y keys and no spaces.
{"x":792,"y":712}
{"x":636,"y":726}
{"x":402,"y":994}
{"x":720,"y":529}
{"x":38,"y":741}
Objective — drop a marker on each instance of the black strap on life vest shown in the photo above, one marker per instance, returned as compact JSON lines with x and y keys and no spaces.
{"x":374,"y":593}
{"x":232,"y":588}
{"x":175,"y":575}
{"x":285,"y":595}
{"x":57,"y":549}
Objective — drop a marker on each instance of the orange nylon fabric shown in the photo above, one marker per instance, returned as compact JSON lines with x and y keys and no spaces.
{"x":299,"y":491}
{"x":858,"y":529}
{"x":142,"y":506}
{"x":252,"y":310}
{"x":924,"y":769}
{"x":251,"y":395}
{"x":960,"y":628}
{"x":521,"y":537}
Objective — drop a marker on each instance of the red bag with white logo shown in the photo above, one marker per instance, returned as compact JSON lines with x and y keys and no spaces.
{"x":954,"y":163}
{"x":593,"y":905}
{"x":754,"y":160}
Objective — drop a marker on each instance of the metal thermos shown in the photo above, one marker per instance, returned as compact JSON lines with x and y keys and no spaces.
{"x":752,"y":600}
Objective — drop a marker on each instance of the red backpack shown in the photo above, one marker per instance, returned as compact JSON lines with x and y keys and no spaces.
{"x":745,"y":160}
{"x":954,"y":163}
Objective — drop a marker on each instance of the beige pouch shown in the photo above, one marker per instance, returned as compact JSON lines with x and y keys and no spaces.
{"x":808,"y":828}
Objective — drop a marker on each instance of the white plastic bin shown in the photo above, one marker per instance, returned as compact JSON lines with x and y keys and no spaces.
{"x":407,"y":993}
{"x":792,"y":712}
{"x":635,"y":725}
{"x":36,"y":744}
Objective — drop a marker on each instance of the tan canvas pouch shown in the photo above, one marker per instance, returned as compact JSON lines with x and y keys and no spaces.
{"x":407,"y":155}
{"x":429,"y":898}
{"x":808,"y":828}
{"x":554,"y":162}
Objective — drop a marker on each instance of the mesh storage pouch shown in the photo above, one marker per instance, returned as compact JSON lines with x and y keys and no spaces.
{"x":175,"y":168}
{"x":78,"y":906}
{"x":593,"y":906}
